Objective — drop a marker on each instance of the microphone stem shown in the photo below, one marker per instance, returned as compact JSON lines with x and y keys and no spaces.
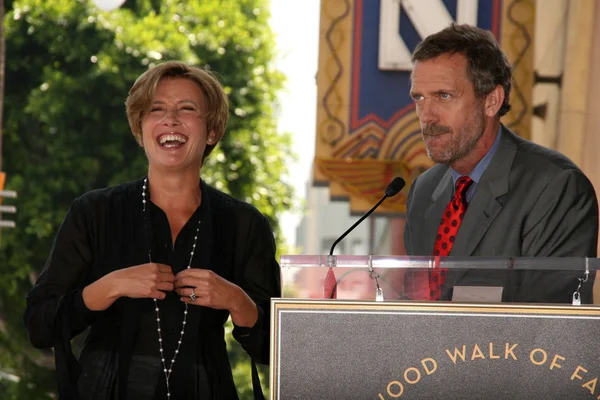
{"x":356,"y":223}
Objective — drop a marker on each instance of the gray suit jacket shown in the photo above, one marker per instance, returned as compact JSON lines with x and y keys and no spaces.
{"x":530,"y":202}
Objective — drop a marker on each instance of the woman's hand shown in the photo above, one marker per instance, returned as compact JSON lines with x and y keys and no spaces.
{"x":213,"y":291}
{"x":141,"y":281}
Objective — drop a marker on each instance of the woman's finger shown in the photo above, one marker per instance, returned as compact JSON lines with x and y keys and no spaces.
{"x":165,"y":286}
{"x":186,"y":297}
{"x":189,"y":281}
{"x":187,"y":292}
{"x":195,"y":273}
{"x":164,"y":268}
{"x":157,"y":294}
{"x":166,"y":277}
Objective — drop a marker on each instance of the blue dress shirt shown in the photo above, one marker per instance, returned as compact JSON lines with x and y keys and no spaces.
{"x":479,"y":169}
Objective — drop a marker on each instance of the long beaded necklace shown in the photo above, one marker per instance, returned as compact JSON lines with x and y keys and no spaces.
{"x":168,"y":368}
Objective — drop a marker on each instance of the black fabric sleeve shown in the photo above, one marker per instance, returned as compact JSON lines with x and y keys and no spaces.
{"x":261,"y":280}
{"x":60,"y":285}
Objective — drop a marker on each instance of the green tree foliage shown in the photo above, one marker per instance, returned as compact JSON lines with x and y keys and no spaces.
{"x":69,"y":67}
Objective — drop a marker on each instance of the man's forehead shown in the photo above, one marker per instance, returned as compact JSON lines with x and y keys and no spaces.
{"x":444,"y":68}
{"x":438,"y":75}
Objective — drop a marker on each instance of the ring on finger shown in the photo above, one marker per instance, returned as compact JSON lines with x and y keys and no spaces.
{"x":193,"y":295}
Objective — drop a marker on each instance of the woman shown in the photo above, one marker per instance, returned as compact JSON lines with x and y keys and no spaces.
{"x":154,"y":267}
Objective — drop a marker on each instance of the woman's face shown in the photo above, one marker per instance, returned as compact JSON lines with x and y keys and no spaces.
{"x":174,"y":129}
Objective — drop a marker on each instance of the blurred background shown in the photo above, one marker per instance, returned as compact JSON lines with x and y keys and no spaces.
{"x":320,"y":117}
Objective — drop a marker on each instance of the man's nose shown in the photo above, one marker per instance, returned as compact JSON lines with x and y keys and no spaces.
{"x":427,"y":112}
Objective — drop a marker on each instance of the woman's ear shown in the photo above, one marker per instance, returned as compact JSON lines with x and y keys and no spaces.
{"x":211,"y":138}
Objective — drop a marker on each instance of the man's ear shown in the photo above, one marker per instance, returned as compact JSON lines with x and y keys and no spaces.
{"x":493,"y":101}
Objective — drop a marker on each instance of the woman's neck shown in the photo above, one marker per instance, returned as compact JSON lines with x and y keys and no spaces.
{"x":175,"y":191}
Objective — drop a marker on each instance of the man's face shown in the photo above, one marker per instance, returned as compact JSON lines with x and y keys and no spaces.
{"x":452,"y":118}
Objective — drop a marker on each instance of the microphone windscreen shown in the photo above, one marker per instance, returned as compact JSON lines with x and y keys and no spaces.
{"x":395,"y":186}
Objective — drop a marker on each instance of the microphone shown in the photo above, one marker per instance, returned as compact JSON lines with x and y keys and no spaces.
{"x":393,"y":188}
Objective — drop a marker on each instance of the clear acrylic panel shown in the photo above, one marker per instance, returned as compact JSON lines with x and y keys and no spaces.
{"x":483,"y":279}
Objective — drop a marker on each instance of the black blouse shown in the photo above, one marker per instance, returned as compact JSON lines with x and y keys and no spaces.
{"x":105,"y":230}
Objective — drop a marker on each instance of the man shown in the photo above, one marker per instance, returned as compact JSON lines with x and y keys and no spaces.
{"x":492,"y":193}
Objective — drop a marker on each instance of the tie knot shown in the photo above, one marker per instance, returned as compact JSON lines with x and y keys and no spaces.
{"x":462,"y":185}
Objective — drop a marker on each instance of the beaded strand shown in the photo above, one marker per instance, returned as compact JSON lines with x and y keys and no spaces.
{"x":167,"y":369}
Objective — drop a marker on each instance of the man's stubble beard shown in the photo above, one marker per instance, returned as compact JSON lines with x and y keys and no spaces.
{"x":468,"y":136}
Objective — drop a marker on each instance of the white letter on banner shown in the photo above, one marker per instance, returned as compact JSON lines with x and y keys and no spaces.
{"x":427,"y":16}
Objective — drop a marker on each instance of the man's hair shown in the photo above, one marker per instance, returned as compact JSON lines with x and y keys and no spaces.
{"x":141,"y":96}
{"x":487,"y":65}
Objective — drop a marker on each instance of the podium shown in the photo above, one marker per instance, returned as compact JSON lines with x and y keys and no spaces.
{"x":534,"y":342}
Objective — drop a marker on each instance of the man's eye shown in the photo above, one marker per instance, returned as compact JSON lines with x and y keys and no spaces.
{"x":444,"y":96}
{"x":417,"y":97}
{"x":155,"y":109}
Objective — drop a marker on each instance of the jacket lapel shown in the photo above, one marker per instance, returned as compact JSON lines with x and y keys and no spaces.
{"x":485,"y":204}
{"x":433,"y":214}
{"x":482,"y":211}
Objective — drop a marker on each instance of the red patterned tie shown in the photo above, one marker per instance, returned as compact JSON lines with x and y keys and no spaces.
{"x":451,"y":220}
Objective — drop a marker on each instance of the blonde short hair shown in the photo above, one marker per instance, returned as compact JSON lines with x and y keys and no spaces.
{"x":141,"y":96}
